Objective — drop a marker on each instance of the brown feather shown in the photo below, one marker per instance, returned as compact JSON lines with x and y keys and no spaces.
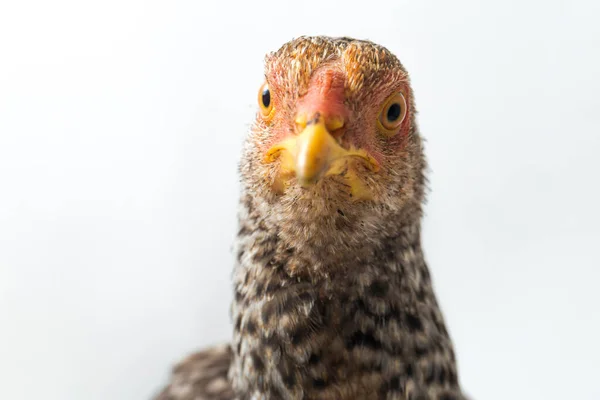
{"x":333,"y":297}
{"x":201,"y":376}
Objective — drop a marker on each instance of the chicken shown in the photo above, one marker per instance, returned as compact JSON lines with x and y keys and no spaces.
{"x":332,"y":295}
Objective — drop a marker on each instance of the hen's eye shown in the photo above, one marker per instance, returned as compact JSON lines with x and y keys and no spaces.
{"x":264,"y":100}
{"x":392,"y":114}
{"x":266,"y":97}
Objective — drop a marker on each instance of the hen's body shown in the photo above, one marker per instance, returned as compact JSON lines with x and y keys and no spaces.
{"x":333,"y":299}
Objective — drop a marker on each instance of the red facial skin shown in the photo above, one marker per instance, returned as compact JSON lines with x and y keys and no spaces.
{"x":326,"y":94}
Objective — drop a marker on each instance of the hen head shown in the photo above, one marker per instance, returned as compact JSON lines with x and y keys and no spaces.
{"x":335,"y":136}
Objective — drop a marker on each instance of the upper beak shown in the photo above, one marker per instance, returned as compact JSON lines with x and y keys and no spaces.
{"x":313,"y":153}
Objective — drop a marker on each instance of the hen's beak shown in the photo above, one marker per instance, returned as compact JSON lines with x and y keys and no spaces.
{"x":315,"y":153}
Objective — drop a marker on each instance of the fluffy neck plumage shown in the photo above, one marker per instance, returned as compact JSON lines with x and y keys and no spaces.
{"x":308,"y":316}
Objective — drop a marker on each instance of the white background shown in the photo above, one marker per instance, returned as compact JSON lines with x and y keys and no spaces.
{"x":121,"y":123}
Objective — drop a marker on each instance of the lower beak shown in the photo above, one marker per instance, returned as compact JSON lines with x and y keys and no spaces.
{"x":313,"y":153}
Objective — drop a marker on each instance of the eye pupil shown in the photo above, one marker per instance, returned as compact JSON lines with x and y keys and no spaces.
{"x":394,"y":112}
{"x":266,"y":97}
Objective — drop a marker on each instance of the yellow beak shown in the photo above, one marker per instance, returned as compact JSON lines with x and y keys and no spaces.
{"x":314,"y":153}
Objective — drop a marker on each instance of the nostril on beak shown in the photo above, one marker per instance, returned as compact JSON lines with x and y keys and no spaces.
{"x":334,"y":124}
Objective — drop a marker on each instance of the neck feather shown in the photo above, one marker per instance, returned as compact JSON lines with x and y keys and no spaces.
{"x":298,"y":299}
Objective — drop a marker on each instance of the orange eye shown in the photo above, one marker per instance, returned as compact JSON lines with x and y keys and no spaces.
{"x":392,"y":114}
{"x":265,"y":101}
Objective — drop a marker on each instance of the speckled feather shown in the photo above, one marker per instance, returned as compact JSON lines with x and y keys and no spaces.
{"x":333,"y":298}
